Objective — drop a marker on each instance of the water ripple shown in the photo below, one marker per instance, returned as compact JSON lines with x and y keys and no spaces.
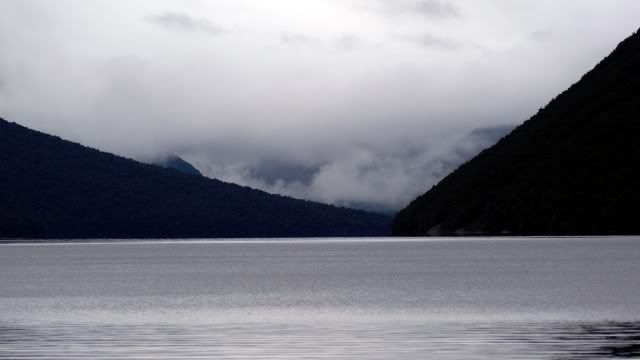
{"x":324,"y":341}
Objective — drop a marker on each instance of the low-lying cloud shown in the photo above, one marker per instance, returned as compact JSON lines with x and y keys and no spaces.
{"x":368,"y":178}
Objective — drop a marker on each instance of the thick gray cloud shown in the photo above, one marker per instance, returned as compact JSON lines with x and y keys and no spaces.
{"x":366,"y":102}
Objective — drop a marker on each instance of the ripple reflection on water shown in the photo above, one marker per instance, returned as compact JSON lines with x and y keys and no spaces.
{"x":322,"y":341}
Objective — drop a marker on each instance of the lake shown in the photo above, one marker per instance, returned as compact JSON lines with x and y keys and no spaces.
{"x":532,"y":298}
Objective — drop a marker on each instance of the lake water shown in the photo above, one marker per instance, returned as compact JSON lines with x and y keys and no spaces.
{"x":313,"y":299}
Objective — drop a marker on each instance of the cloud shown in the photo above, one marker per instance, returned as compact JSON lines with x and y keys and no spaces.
{"x":432,"y":9}
{"x":436,"y":9}
{"x":343,"y":42}
{"x":272,"y":172}
{"x":431,"y":41}
{"x":184,"y":22}
{"x":363,"y":177}
{"x":541,"y":35}
{"x":297,"y":39}
{"x":348,"y":42}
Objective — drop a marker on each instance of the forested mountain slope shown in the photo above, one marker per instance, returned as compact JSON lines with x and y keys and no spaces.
{"x":52,"y":188}
{"x":572,"y":169}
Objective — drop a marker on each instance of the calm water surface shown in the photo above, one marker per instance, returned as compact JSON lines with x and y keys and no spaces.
{"x":335,"y":299}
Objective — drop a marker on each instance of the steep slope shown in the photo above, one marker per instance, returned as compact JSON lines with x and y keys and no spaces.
{"x":572,"y":169}
{"x":52,"y":188}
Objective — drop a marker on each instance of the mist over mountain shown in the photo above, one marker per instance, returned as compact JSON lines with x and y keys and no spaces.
{"x":52,"y":188}
{"x":371,"y":180}
{"x":572,"y":169}
{"x":465,"y":149}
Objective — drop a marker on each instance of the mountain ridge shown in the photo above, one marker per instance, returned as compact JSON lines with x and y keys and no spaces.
{"x":568,"y":170}
{"x":54,"y":188}
{"x":177,"y":163}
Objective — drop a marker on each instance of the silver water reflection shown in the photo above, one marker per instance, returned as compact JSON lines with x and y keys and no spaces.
{"x":450,"y":299}
{"x":342,"y":341}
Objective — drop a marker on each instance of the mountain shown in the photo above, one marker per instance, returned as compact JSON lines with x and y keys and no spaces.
{"x":572,"y":169}
{"x":465,"y":149}
{"x":52,"y":188}
{"x":178,"y":163}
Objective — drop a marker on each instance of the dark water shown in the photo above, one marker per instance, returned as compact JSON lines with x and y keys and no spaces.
{"x":340,"y":299}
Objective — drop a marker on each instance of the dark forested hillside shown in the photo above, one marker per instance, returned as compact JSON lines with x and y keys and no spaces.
{"x":52,"y":188}
{"x":572,"y":169}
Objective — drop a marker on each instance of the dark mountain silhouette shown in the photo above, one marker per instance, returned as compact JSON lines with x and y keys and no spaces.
{"x":52,"y":188}
{"x":572,"y":169}
{"x":465,"y":149}
{"x":178,"y":163}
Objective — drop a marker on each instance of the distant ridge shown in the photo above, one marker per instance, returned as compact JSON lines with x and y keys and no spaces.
{"x":52,"y":188}
{"x":177,"y":163}
{"x":572,"y":169}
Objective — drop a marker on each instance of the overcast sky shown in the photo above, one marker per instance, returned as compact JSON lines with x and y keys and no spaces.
{"x":341,"y":101}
